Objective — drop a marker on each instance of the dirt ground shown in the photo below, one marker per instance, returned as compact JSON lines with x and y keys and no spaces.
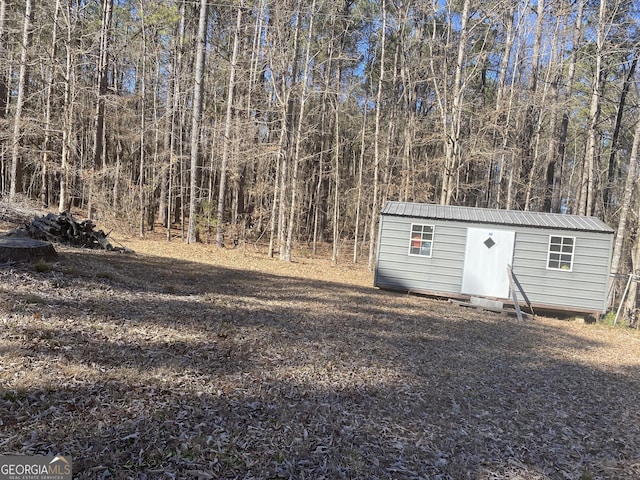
{"x":189,"y":361}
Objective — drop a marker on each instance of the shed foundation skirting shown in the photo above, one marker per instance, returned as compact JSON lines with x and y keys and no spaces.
{"x":467,"y":298}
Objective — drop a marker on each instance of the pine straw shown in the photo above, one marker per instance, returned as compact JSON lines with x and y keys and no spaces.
{"x":194,"y":362}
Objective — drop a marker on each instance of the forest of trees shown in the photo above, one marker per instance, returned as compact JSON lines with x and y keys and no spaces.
{"x":292,"y":122}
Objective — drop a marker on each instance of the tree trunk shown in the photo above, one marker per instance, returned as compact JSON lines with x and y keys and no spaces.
{"x":287,"y":144}
{"x":175,"y":134}
{"x":319,"y":209}
{"x":22,"y":85}
{"x":376,"y":141}
{"x":557,"y":125}
{"x":612,"y":170}
{"x":17,"y":249}
{"x":502,"y":119}
{"x":552,"y":160}
{"x":143,"y":127}
{"x":46,"y":143}
{"x":359,"y":184}
{"x":531,"y":121}
{"x":277,"y":194}
{"x":172,"y":105}
{"x":453,"y":116}
{"x":165,"y":164}
{"x":98,"y":132}
{"x":196,"y":119}
{"x":556,"y":196}
{"x":387,"y":174}
{"x":336,"y":167}
{"x":631,"y":303}
{"x":629,"y":187}
{"x":226,"y":140}
{"x":4,"y":74}
{"x":67,"y":127}
{"x":587,"y":185}
{"x":298,"y":138}
{"x":320,"y":215}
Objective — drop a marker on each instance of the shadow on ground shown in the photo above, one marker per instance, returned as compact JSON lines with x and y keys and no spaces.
{"x":146,"y":367}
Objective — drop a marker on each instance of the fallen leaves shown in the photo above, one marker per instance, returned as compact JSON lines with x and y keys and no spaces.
{"x":204,"y":363}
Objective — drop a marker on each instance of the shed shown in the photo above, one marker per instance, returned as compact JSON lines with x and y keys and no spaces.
{"x":561,"y":261}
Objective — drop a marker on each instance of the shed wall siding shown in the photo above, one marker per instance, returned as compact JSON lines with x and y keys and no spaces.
{"x":442,"y":272}
{"x":583,"y":288}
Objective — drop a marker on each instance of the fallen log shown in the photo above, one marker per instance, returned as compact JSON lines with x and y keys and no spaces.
{"x":38,"y":228}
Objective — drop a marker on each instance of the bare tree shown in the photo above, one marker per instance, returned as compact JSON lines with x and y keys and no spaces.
{"x":226,"y":140}
{"x":336,"y":174}
{"x":4,"y":89}
{"x":360,"y":183}
{"x":196,"y":118}
{"x":587,"y":184}
{"x":629,"y":187}
{"x":557,"y":166}
{"x":102,"y":85}
{"x":67,"y":110}
{"x":171,"y":124}
{"x":607,"y":192}
{"x":502,"y":118}
{"x":22,"y":85}
{"x":376,"y":139}
{"x":283,"y":80}
{"x":451,"y":110}
{"x":46,"y":143}
{"x":298,"y":137}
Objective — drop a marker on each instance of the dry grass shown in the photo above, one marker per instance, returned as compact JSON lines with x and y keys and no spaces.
{"x":194,"y":362}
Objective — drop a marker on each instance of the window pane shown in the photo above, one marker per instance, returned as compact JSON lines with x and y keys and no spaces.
{"x":421,"y":240}
{"x":560,"y":252}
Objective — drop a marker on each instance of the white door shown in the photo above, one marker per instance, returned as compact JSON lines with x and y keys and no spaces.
{"x":487,"y":254}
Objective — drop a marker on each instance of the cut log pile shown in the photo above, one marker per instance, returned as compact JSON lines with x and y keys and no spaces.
{"x":63,"y":228}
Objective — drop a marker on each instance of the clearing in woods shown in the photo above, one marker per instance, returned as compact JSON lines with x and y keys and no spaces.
{"x":188,"y":361}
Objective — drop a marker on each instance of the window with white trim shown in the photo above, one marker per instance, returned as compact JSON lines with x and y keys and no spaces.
{"x":561,"y":251}
{"x":421,"y":240}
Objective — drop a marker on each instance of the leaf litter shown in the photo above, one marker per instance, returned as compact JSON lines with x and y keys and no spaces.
{"x":189,"y":361}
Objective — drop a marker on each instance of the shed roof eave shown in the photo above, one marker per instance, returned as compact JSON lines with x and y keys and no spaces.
{"x":488,"y":216}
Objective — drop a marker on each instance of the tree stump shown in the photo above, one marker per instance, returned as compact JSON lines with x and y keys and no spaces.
{"x":15,"y":249}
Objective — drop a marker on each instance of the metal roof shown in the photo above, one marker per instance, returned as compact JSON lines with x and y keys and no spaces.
{"x":496,"y":217}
